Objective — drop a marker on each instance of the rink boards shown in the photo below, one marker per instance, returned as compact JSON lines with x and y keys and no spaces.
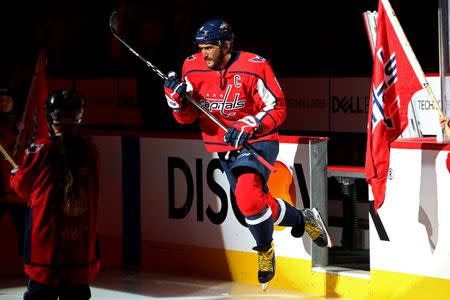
{"x":189,"y":223}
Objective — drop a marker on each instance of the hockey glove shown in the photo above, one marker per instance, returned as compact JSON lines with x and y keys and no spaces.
{"x":174,"y":90}
{"x":240,"y":131}
{"x":14,"y":170}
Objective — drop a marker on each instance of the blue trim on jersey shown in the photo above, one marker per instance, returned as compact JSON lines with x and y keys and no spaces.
{"x":275,"y":127}
{"x":197,"y":70}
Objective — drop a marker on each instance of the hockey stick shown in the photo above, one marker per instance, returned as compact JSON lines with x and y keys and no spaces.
{"x":114,"y":25}
{"x":8,"y":156}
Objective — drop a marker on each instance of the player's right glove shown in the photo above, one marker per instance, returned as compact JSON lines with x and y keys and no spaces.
{"x":14,"y":170}
{"x":175,"y":90}
{"x":240,"y":131}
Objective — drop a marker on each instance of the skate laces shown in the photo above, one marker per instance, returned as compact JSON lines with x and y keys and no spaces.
{"x":313,"y":230}
{"x":265,"y":259}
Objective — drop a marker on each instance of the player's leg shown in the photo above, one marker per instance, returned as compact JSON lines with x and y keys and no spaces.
{"x":308,"y":220}
{"x":251,"y":201}
{"x":250,"y":191}
{"x":284,"y":214}
{"x":78,"y":292}
{"x":38,"y":291}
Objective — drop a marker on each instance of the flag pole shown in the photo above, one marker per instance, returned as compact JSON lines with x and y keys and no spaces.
{"x":370,"y":22}
{"x":30,"y":92}
{"x":413,"y":59}
{"x":8,"y":156}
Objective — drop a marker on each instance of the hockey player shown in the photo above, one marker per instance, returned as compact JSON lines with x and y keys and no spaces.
{"x":240,"y":90}
{"x":60,"y":176}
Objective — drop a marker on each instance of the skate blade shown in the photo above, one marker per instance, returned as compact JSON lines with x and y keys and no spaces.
{"x":264,"y":286}
{"x":330,"y":242}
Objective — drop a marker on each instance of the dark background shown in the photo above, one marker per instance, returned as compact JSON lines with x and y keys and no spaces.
{"x":305,"y":38}
{"x":299,"y":38}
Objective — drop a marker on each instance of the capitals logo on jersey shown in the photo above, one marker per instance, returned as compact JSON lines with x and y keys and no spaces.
{"x":222,"y":102}
{"x":257,"y":59}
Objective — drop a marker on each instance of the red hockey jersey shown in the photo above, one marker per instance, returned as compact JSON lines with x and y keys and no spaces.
{"x":60,"y":244}
{"x":247,"y":86}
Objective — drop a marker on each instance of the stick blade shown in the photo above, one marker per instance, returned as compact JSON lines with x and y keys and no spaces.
{"x":114,"y":22}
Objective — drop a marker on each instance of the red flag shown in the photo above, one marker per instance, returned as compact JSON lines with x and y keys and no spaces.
{"x":394,"y":82}
{"x":34,"y":118}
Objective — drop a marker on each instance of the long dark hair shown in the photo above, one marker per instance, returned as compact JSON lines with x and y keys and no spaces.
{"x":70,"y":186}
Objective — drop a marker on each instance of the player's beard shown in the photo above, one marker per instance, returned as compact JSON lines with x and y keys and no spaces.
{"x":216,"y":63}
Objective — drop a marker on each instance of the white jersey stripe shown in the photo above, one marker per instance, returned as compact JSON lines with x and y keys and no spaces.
{"x":266,"y":96}
{"x":261,"y":219}
{"x":282,"y":211}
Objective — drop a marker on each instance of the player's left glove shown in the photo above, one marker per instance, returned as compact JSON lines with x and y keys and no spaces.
{"x":241,"y":130}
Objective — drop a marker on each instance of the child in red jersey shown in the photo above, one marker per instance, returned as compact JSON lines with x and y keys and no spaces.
{"x":60,"y":176}
{"x":240,"y":90}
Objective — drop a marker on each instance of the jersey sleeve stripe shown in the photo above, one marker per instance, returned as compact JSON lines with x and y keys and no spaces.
{"x":266,"y":96}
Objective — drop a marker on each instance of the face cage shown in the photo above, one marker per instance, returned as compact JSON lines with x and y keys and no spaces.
{"x":65,"y":118}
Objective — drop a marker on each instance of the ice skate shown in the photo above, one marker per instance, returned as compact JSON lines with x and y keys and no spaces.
{"x":316,"y":229}
{"x":266,"y":264}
